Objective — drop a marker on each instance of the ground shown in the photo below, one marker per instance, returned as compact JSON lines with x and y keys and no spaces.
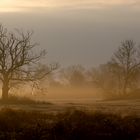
{"x":114,"y":106}
{"x":70,"y":119}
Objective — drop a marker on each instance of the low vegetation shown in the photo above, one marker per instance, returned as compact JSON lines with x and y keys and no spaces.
{"x":19,"y":100}
{"x":69,"y":125}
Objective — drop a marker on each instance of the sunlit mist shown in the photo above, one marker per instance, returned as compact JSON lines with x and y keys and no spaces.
{"x":69,"y":69}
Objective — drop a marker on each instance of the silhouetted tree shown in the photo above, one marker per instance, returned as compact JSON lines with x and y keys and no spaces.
{"x":18,"y":59}
{"x":125,"y":64}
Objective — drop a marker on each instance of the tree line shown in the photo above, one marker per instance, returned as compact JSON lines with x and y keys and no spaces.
{"x":120,"y":75}
{"x":20,"y":62}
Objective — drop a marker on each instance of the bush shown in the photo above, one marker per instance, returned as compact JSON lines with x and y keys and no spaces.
{"x":21,"y":100}
{"x":69,"y":125}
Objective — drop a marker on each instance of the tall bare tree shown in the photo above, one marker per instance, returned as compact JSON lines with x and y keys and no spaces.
{"x":126,"y":58}
{"x":19,"y":59}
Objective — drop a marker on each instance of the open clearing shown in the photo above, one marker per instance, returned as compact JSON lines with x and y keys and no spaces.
{"x":123,"y":107}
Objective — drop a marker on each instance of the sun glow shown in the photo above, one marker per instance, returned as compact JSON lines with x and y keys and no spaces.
{"x":20,"y":5}
{"x":24,"y":5}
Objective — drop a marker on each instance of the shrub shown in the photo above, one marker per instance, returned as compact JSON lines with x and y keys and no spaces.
{"x":69,"y":125}
{"x":21,"y":100}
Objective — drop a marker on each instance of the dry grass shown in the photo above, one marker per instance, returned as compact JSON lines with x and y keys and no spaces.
{"x":21,"y":100}
{"x":69,"y":125}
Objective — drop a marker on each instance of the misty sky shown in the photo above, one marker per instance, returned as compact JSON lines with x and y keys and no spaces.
{"x":75,"y":31}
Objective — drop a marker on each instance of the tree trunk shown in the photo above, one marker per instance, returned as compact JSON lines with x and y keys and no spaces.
{"x":124,"y":89}
{"x":125,"y":86}
{"x":5,"y":89}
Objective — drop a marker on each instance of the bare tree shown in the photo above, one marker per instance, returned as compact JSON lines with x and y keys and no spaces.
{"x":105,"y":78}
{"x":19,"y":59}
{"x":126,"y":58}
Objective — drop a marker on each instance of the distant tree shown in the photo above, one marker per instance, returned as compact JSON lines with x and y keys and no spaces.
{"x":19,"y":59}
{"x":74,"y":75}
{"x":125,"y":64}
{"x":103,"y":78}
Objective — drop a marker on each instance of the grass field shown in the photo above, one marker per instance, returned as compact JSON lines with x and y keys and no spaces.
{"x":70,"y":124}
{"x":123,"y":107}
{"x":83,"y":119}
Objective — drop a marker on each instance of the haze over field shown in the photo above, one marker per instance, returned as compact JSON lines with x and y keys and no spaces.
{"x":75,"y":31}
{"x":61,"y":60}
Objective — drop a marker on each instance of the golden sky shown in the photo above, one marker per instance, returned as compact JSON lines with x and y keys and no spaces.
{"x":22,"y":5}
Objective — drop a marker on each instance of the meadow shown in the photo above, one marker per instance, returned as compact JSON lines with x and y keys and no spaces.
{"x":23,"y":118}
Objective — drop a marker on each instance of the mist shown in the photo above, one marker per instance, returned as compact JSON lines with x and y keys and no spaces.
{"x":69,"y":69}
{"x":83,"y":33}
